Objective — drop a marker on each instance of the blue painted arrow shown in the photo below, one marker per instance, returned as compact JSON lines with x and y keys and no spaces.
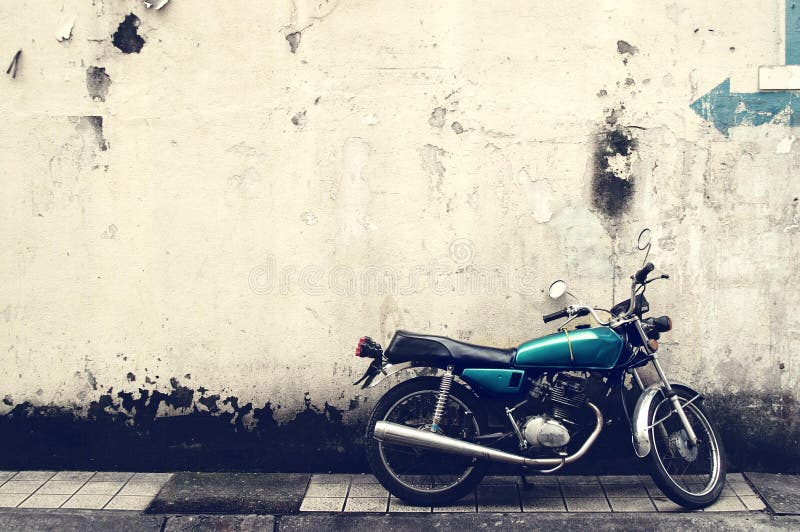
{"x":726,"y":109}
{"x":792,"y":32}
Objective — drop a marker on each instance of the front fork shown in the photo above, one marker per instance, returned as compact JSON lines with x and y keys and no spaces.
{"x":671,"y":394}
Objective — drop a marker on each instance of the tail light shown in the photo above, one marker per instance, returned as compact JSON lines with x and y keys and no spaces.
{"x":368,"y":348}
{"x":361,"y":342}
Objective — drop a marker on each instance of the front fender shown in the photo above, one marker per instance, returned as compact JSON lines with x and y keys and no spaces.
{"x":640,"y":424}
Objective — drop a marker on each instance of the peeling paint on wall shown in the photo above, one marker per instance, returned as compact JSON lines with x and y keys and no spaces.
{"x":127,"y":38}
{"x":613,"y":182}
{"x":97,"y":83}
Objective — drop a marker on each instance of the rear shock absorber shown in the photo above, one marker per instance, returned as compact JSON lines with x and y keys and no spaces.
{"x":441,"y":400}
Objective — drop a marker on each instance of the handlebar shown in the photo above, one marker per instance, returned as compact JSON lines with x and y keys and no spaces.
{"x":563,"y":313}
{"x":641,"y":275}
{"x":569,"y":311}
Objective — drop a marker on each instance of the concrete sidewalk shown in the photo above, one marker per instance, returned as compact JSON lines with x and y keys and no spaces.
{"x":48,"y":500}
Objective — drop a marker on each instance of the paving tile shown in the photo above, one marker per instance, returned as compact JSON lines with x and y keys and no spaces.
{"x":663,"y":504}
{"x":780,"y":492}
{"x":40,"y":500}
{"x":398,"y":505}
{"x":5,"y":475}
{"x":583,"y":490}
{"x":735,"y":477}
{"x":111,"y":476}
{"x":625,"y":491}
{"x":87,"y":502}
{"x":129,"y":502}
{"x":367,"y":490}
{"x":327,"y":490}
{"x":727,"y":504}
{"x":543,"y":504}
{"x":34,"y":475}
{"x":623,"y":480}
{"x":540,"y":491}
{"x":60,"y":487}
{"x":11,"y":500}
{"x":572,"y":480}
{"x":73,"y":475}
{"x":742,"y":489}
{"x":753,"y":502}
{"x":151,"y":477}
{"x":149,"y":489}
{"x":330,"y":479}
{"x":654,"y":492}
{"x":21,"y":486}
{"x":631,"y":504}
{"x":502,"y":498}
{"x":499,"y":481}
{"x":543,"y":480}
{"x":364,"y":479}
{"x":466,"y":504}
{"x":587,"y":504}
{"x":322,"y":504}
{"x":367,"y":504}
{"x":100,"y":488}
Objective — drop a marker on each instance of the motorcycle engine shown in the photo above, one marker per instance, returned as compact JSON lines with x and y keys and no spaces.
{"x":541,"y":431}
{"x":562,"y":398}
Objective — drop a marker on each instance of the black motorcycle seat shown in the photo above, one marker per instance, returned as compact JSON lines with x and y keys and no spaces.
{"x":441,"y":351}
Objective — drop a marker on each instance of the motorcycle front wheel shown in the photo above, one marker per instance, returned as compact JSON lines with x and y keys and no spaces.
{"x":419,"y":476}
{"x":692,"y":476}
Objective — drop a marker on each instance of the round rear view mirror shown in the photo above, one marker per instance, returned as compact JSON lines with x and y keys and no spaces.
{"x":557,"y":289}
{"x":644,"y":239}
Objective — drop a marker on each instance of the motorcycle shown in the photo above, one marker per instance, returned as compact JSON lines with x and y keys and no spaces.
{"x":428,"y":440}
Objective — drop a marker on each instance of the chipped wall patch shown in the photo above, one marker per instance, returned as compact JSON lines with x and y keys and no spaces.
{"x":92,"y":126}
{"x":437,"y":117}
{"x":64,"y":30}
{"x":294,"y":41}
{"x":97,"y":83}
{"x":156,"y":4}
{"x":127,"y":38}
{"x":785,"y":145}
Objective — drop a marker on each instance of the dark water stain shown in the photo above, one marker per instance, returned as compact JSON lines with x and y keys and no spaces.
{"x":97,"y":83}
{"x":127,"y":37}
{"x":612,"y":181}
{"x":294,"y":41}
{"x":124,"y":431}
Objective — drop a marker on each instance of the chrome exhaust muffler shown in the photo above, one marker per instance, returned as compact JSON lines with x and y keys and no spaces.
{"x":401,"y":435}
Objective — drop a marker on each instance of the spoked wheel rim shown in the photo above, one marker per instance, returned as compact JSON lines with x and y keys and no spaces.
{"x":422,"y":469}
{"x":694,"y":470}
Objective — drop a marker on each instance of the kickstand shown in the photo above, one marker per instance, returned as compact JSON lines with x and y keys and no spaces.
{"x":525,"y":484}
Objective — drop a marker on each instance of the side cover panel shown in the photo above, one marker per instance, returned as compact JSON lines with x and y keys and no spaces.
{"x":498,"y":381}
{"x":595,"y":348}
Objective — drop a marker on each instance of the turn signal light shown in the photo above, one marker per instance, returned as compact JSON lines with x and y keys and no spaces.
{"x":361,"y":342}
{"x":653,"y":345}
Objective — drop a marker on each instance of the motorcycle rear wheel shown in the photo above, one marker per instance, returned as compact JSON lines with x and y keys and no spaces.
{"x":423,"y":477}
{"x":692,"y":476}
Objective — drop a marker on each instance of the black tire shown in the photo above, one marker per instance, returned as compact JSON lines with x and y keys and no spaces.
{"x":691,"y":476}
{"x":404,"y":484}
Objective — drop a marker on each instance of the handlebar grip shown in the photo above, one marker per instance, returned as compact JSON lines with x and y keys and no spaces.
{"x":555,"y":315}
{"x":641,"y":275}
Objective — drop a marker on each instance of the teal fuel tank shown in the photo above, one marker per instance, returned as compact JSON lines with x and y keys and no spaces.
{"x":595,"y":348}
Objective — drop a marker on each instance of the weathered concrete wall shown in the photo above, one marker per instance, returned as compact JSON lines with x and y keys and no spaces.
{"x":216,"y":199}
